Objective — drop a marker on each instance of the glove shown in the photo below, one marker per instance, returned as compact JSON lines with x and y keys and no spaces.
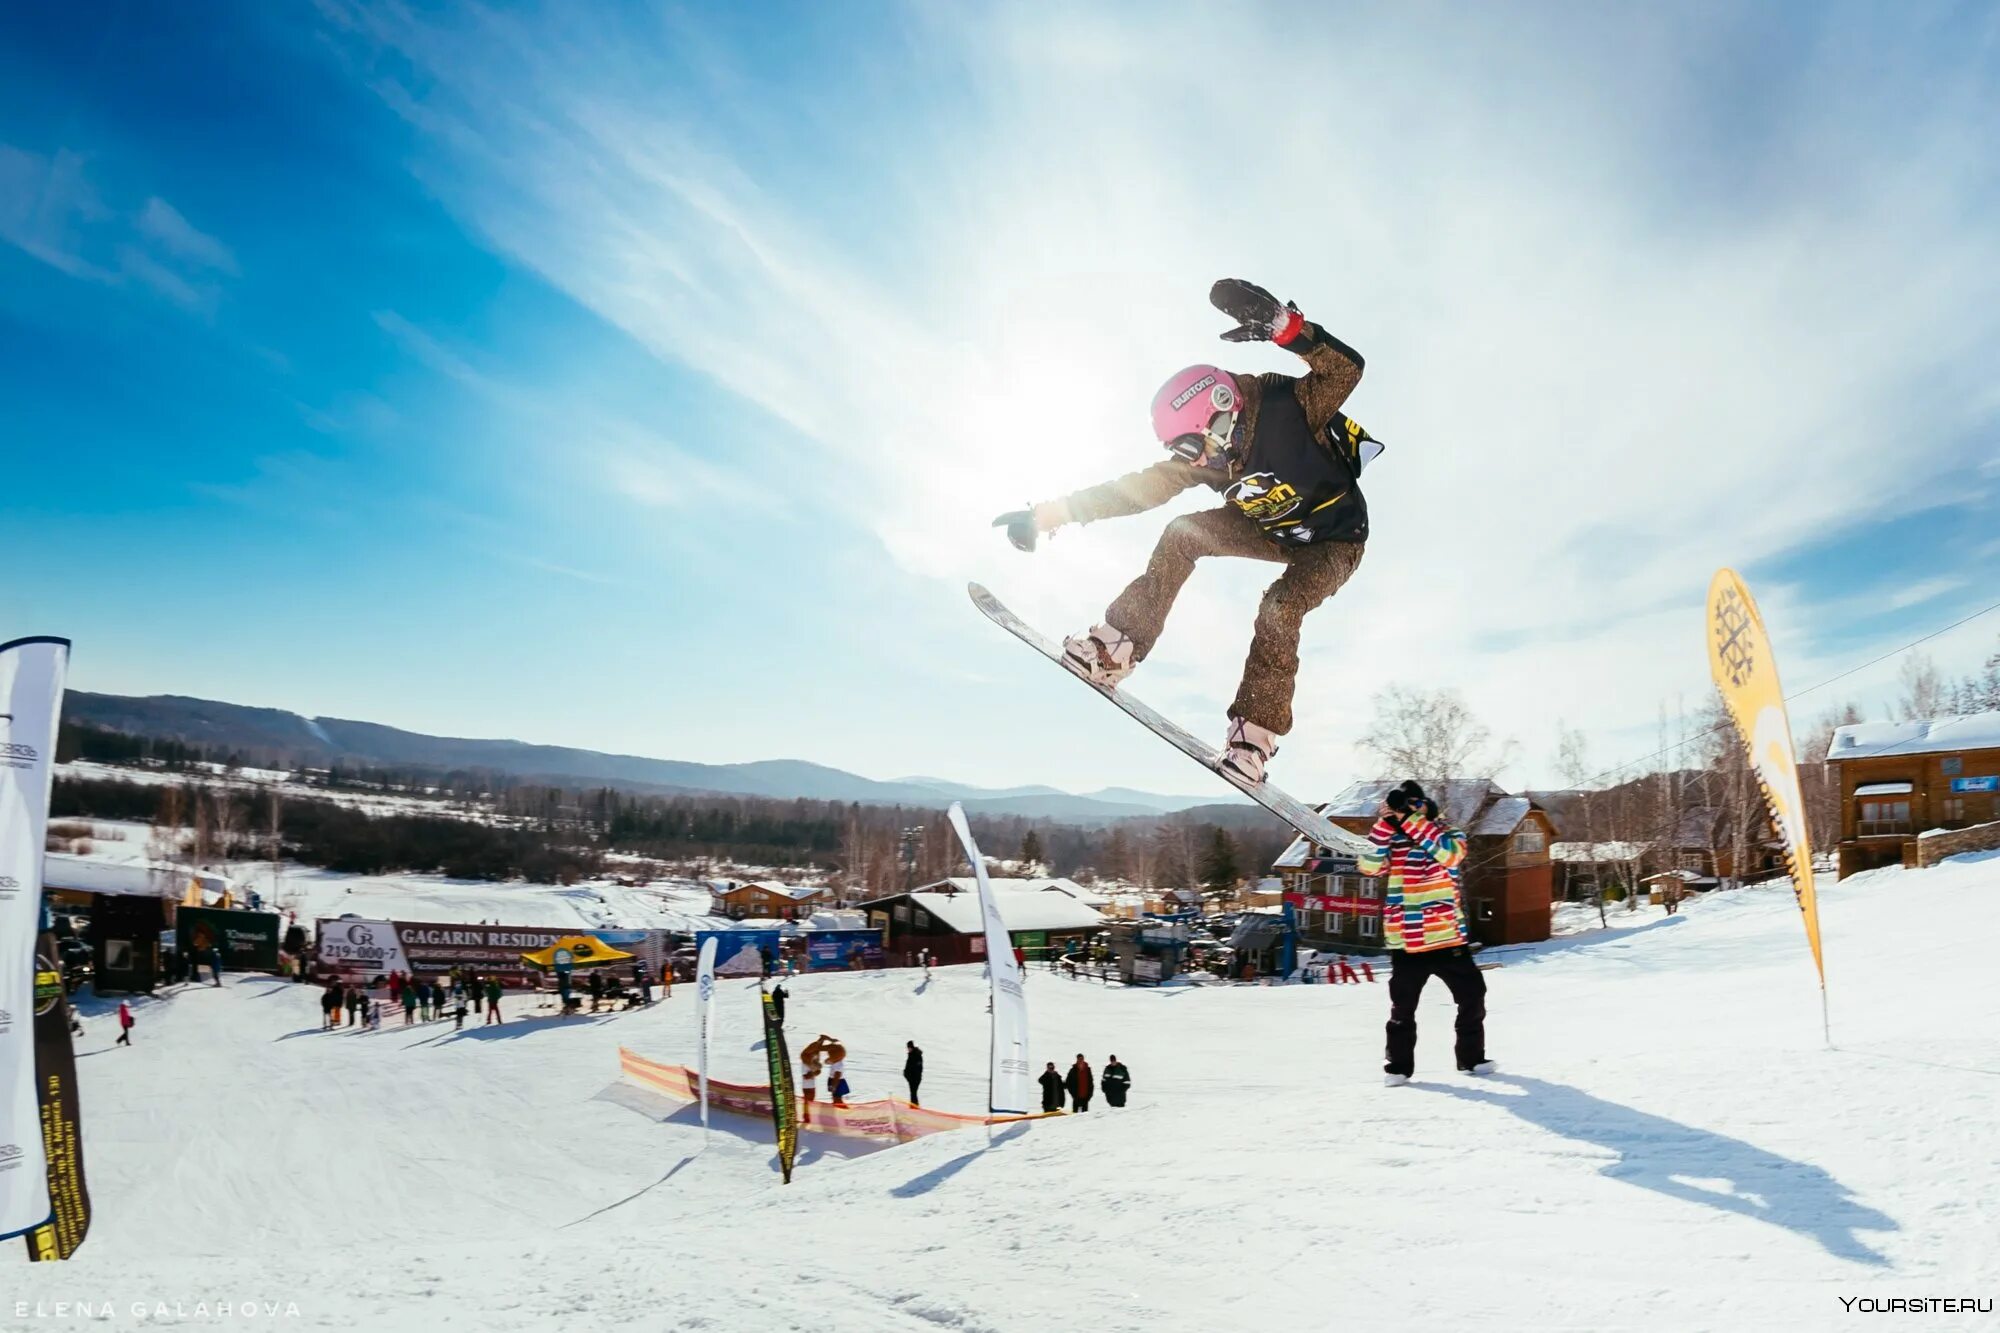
{"x":1021,"y":528}
{"x":1258,"y":315}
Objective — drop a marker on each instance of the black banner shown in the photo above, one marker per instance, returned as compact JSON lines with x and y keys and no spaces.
{"x":247,"y":941}
{"x":784,"y":1100}
{"x":62,"y":1127}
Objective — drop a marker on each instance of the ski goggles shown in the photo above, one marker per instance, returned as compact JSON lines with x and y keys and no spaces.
{"x":1197,"y":446}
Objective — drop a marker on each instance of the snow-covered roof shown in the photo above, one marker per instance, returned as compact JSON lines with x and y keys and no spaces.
{"x":1867,"y":740}
{"x":795,"y":892}
{"x":1596,"y":851}
{"x":85,"y":874}
{"x":1021,"y":909}
{"x":1462,"y":803}
{"x":1687,"y":876}
{"x":1459,"y":799}
{"x":1501,"y":818}
{"x":1883,"y":789}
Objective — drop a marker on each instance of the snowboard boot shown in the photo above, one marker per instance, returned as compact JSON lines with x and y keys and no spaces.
{"x":1248,"y":749}
{"x":1103,"y":656}
{"x":1483,"y":1067}
{"x":1394,"y":1080}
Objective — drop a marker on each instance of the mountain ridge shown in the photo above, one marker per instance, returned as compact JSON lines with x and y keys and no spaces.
{"x":278,"y":736}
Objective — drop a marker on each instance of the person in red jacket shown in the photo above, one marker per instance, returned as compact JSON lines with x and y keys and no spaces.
{"x":1423,"y":924}
{"x":124,"y":1024}
{"x":1081,"y":1084}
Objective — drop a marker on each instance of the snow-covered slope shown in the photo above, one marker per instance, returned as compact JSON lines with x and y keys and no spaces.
{"x":1670,"y":1145}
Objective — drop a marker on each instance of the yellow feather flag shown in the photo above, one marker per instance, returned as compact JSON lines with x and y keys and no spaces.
{"x":1739,"y":656}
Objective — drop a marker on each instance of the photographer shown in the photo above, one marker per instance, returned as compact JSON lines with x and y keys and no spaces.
{"x":1424,"y":925}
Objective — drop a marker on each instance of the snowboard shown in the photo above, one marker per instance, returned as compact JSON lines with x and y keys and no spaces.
{"x":1309,"y":822}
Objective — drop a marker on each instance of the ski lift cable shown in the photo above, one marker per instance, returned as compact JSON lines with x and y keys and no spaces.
{"x":1799,"y":694}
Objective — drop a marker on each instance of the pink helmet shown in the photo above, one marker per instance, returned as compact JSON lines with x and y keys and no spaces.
{"x":1187,"y":408}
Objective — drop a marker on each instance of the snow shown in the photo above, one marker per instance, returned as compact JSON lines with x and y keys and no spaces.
{"x":1864,"y":740}
{"x":1883,"y":789}
{"x":1669,"y":1144}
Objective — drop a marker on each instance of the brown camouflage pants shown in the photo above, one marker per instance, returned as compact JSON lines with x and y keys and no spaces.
{"x":1312,"y":574}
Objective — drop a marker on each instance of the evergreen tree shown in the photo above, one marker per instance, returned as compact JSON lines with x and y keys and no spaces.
{"x":1031,"y":850}
{"x":1219,"y":866}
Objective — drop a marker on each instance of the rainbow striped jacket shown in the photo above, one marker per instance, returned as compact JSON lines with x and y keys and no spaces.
{"x":1420,"y":912}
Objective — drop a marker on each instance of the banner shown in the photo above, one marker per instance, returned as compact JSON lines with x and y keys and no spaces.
{"x":885,"y":1121}
{"x":784,"y":1102}
{"x":1010,"y":1077}
{"x":843,"y":950}
{"x":1739,"y":656}
{"x":354,"y":947}
{"x":704,"y":990}
{"x":62,"y":1128}
{"x":742,"y":953}
{"x":248,"y":941}
{"x":31,"y":688}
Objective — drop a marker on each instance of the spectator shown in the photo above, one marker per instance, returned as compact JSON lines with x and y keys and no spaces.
{"x":1423,"y":925}
{"x":395,"y":988}
{"x":642,"y":983}
{"x":778,"y":998}
{"x":215,"y":962}
{"x":458,"y":1013}
{"x":836,"y":1085}
{"x":811,"y":1069}
{"x":493,"y":1001}
{"x":329,"y":1005}
{"x":409,"y":1005}
{"x":596,"y":990}
{"x":1117,"y":1079}
{"x":474,"y":990}
{"x":913,"y":1069}
{"x":124,"y":1024}
{"x":374,"y":1020}
{"x":1052,"y":1088}
{"x":353,"y":1005}
{"x":1080,"y":1084}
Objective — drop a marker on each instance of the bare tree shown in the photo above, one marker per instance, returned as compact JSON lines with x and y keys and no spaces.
{"x":1817,"y":780}
{"x":1924,"y":692}
{"x":1430,"y":735}
{"x":1573,"y":763}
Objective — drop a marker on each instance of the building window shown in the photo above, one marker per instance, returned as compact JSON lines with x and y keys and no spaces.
{"x":923,"y":921}
{"x":1693,"y":861}
{"x":1371,"y":926}
{"x":1484,"y":908}
{"x":1528,"y":838}
{"x":902,"y":913}
{"x":1369,"y":888}
{"x":1954,"y":809}
{"x":1335,"y":922}
{"x":1879,"y":817}
{"x":1951,"y":765}
{"x":1309,"y":919}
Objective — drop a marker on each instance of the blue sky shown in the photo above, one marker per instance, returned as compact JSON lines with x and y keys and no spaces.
{"x":643,"y":378}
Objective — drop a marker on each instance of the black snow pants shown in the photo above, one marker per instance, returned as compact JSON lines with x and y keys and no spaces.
{"x":1408,"y":973}
{"x":913,"y":1080}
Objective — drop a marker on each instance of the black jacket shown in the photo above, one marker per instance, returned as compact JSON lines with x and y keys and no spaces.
{"x":1052,"y":1090}
{"x":913,"y":1063}
{"x":1117,"y":1076}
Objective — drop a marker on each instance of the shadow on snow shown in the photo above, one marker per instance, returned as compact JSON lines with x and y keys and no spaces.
{"x":1673,"y":1159}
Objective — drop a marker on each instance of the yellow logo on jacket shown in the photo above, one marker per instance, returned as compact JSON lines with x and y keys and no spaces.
{"x":1263,"y":497}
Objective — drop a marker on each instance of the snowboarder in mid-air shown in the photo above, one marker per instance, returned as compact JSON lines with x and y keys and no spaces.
{"x":1287,"y":462}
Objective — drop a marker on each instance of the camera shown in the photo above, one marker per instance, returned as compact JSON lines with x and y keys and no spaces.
{"x":1407,"y":799}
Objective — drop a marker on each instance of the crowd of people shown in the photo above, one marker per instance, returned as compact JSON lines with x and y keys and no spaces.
{"x":1081,"y":1084}
{"x":421,"y":999}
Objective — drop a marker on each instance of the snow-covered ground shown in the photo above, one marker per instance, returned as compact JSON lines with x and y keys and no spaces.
{"x":1670,"y":1145}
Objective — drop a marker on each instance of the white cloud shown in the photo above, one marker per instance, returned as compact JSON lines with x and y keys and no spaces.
{"x":1609,"y":354}
{"x":50,"y":210}
{"x":162,"y":222}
